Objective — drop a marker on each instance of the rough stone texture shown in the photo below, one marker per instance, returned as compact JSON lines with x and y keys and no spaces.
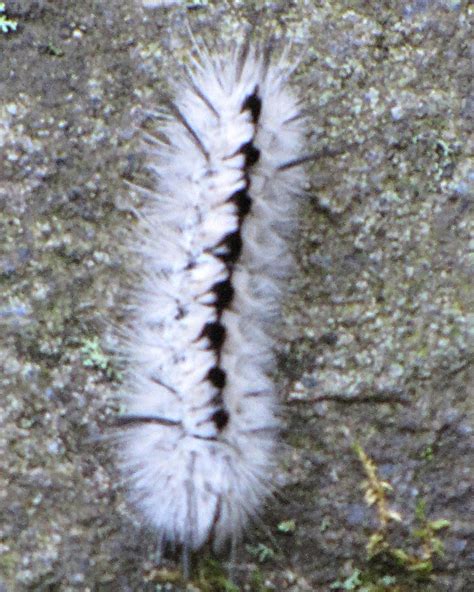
{"x":377,"y":337}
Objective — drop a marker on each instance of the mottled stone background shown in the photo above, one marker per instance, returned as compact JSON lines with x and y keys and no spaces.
{"x":375,"y":344}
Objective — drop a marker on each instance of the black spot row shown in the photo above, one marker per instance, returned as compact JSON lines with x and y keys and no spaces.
{"x":228,"y":250}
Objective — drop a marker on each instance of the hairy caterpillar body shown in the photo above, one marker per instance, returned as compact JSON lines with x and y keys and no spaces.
{"x":201,"y":421}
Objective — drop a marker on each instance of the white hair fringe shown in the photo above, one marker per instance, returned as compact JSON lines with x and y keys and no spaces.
{"x":199,"y":435}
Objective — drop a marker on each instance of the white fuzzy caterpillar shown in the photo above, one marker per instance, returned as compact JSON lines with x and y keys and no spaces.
{"x":201,"y":420}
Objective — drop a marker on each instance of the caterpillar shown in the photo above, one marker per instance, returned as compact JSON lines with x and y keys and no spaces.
{"x":201,"y":424}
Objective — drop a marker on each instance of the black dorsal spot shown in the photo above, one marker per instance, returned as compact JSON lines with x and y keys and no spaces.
{"x":251,"y":153}
{"x":243,"y":202}
{"x":180,"y":313}
{"x":232,"y":247}
{"x":224,"y":293}
{"x":220,"y":418}
{"x":253,"y":103}
{"x":217,"y":377}
{"x":215,"y":332}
